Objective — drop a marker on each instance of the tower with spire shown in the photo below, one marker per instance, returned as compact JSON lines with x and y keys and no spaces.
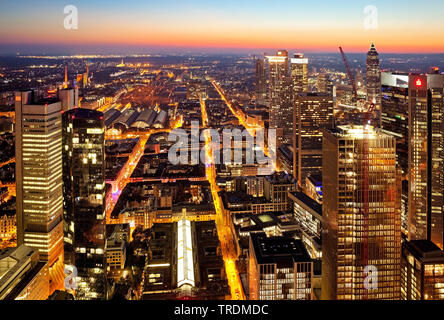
{"x":373,"y":78}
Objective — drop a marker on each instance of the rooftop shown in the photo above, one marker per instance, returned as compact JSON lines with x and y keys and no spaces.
{"x":280,"y":178}
{"x":425,"y":250}
{"x":283,"y":251}
{"x":357,"y":132}
{"x":309,"y":202}
{"x":45,"y":101}
{"x":81,"y":113}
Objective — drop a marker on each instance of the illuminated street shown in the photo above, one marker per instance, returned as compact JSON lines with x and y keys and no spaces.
{"x":242,"y":120}
{"x":124,"y":177}
{"x":200,"y":151}
{"x":226,"y":238}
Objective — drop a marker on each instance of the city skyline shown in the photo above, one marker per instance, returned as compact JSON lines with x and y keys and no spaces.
{"x":138,"y":26}
{"x":218,"y":151}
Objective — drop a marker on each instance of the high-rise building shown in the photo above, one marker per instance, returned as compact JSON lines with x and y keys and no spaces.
{"x":279,"y":268}
{"x":373,"y":78}
{"x":426,"y":158}
{"x":312,"y":113}
{"x":39,"y":180}
{"x":394,"y":113}
{"x":69,"y":98}
{"x":324,"y":84}
{"x":84,"y":200}
{"x":280,"y":96}
{"x":422,"y":273}
{"x":435,"y":83}
{"x":261,"y":82}
{"x":361,"y":243}
{"x":394,"y":121}
{"x":299,"y":73}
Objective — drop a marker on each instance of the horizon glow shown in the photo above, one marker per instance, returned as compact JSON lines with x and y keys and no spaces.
{"x":138,"y":25}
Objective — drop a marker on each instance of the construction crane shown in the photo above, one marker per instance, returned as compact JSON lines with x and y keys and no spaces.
{"x":350,"y":76}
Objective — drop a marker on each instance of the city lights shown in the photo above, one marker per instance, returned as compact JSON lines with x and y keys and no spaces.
{"x":221,"y":159}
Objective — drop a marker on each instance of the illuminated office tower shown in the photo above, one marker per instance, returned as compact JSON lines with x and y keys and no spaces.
{"x":361,"y":214}
{"x":299,"y":73}
{"x":373,"y":77}
{"x":279,"y":268}
{"x":394,"y":121}
{"x":324,"y":84}
{"x":312,"y":113}
{"x":422,"y":273}
{"x":418,"y":168}
{"x":426,"y":156}
{"x":261,"y":82}
{"x":84,"y":200}
{"x":394,"y":113}
{"x":280,"y":93}
{"x":39,"y":180}
{"x":436,"y":156}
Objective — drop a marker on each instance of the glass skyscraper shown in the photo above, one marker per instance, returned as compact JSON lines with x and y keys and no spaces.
{"x":84,"y":201}
{"x":361,"y":212}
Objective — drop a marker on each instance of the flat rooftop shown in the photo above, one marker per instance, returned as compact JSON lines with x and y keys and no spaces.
{"x":283,"y":251}
{"x":425,"y":250}
{"x":309,"y":202}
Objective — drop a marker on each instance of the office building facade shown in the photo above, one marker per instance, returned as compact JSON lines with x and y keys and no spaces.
{"x":279,"y":268}
{"x":39,"y":180}
{"x":261,"y":82}
{"x":280,"y":96}
{"x":84,"y":200}
{"x":299,"y":73}
{"x":422,"y":273}
{"x":361,"y":214}
{"x":313,"y":112}
{"x":426,"y":156}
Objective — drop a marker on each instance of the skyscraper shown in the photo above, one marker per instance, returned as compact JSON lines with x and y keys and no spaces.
{"x":84,"y":200}
{"x":373,"y":78}
{"x":426,"y":156}
{"x":280,"y":94}
{"x":395,"y":121}
{"x":394,"y":113}
{"x":361,"y":212}
{"x":436,"y":158}
{"x":312,"y":113}
{"x":261,"y":82}
{"x":39,"y":180}
{"x":324,"y":84}
{"x":69,"y":98}
{"x":299,"y":73}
